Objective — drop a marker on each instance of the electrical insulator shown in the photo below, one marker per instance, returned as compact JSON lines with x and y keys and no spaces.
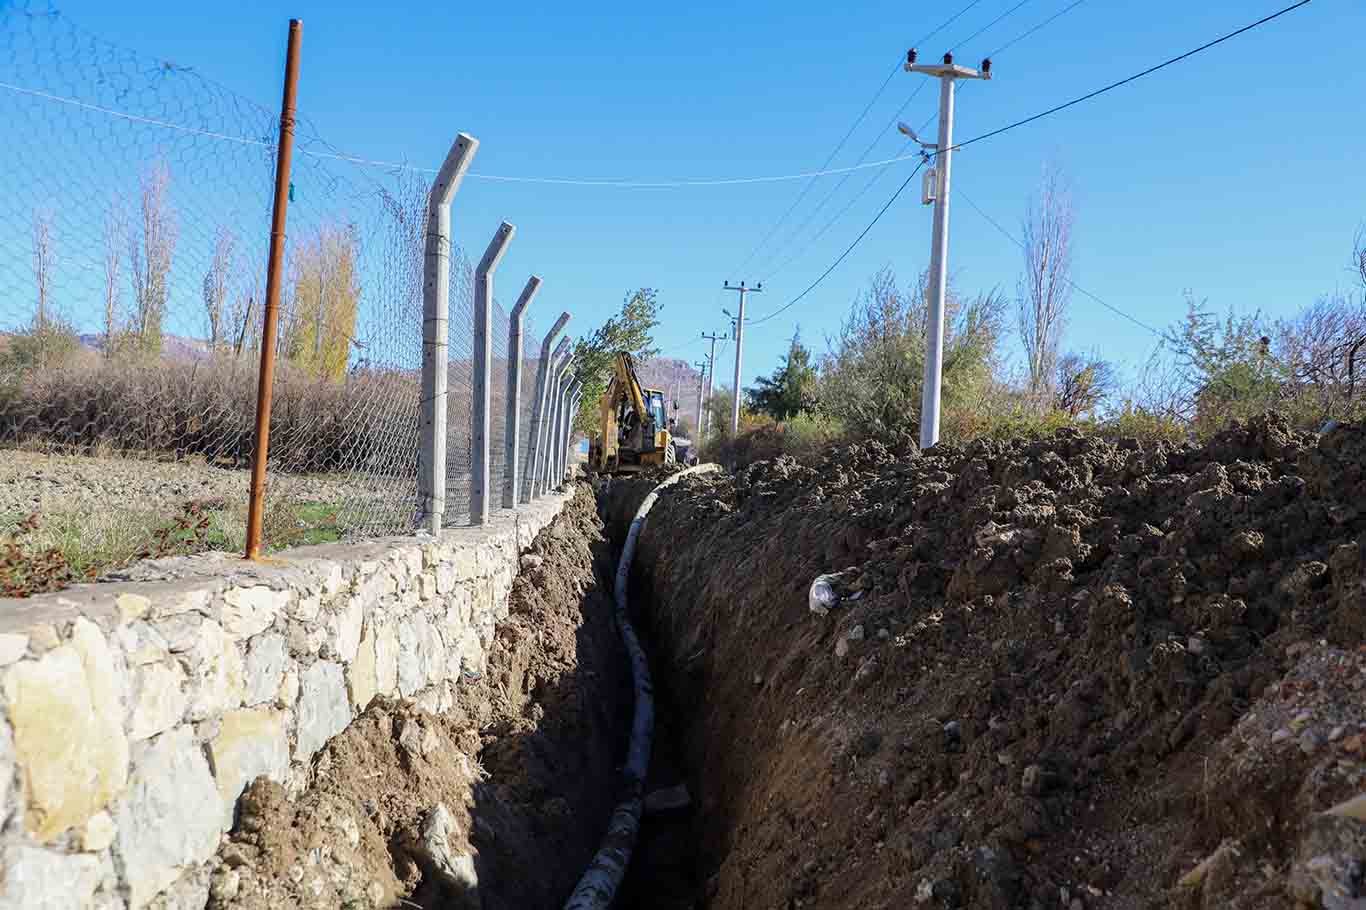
{"x":929,"y":186}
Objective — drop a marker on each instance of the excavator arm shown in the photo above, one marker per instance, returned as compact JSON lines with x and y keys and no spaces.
{"x":628,"y":380}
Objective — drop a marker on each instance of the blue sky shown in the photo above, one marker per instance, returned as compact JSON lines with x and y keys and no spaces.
{"x":1238,"y":174}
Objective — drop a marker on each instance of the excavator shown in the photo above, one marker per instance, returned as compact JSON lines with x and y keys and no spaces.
{"x":636,"y":432}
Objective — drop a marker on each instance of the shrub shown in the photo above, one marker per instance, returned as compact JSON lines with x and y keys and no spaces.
{"x":207,"y":409}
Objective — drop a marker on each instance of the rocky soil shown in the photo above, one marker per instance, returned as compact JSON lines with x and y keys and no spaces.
{"x":498,"y":803}
{"x":1070,"y":673}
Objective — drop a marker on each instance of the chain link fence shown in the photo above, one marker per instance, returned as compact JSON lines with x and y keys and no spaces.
{"x":134,"y":227}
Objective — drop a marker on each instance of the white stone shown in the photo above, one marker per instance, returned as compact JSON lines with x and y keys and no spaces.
{"x":67,"y":714}
{"x":360,"y":674}
{"x":323,"y":711}
{"x":386,"y":660}
{"x":471,"y":652}
{"x":431,"y":652}
{"x":410,"y":670}
{"x":289,"y":689}
{"x":98,"y":833}
{"x":7,"y":766}
{"x":12,"y":648}
{"x":42,"y":880}
{"x":250,"y":743}
{"x":344,"y":628}
{"x":267,"y":660}
{"x":250,"y":611}
{"x":216,"y":673}
{"x":132,"y":606}
{"x":158,"y":700}
{"x":171,"y":818}
{"x":195,"y":601}
{"x":306,"y":609}
{"x":426,"y":585}
{"x":141,"y":644}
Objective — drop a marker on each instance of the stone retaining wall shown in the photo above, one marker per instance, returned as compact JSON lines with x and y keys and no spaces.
{"x":134,"y":713}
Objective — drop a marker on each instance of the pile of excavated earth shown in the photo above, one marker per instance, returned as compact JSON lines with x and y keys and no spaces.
{"x":1066,"y":673}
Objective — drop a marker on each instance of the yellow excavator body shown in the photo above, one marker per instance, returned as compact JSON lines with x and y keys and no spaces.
{"x":634,"y":431}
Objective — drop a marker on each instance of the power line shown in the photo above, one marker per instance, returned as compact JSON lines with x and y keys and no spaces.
{"x":985,"y":28}
{"x":1019,"y":123}
{"x":843,"y":211}
{"x":1076,"y":287}
{"x":1049,"y":21}
{"x":876,"y":218}
{"x":398,"y":165}
{"x":831,"y":157}
{"x":850,"y":132}
{"x":1136,"y":76}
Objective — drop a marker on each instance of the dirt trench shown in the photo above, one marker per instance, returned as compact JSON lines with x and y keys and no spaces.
{"x":1071,"y":672}
{"x":511,"y":789}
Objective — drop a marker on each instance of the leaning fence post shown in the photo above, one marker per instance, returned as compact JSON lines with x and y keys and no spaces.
{"x":575,"y":395}
{"x":483,"y":366}
{"x":513,"y":428}
{"x":265,"y":380}
{"x":556,"y":388}
{"x":436,"y":295}
{"x":557,"y":465}
{"x":536,"y":429}
{"x":562,"y":357}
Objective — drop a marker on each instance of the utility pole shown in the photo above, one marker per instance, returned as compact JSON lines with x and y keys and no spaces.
{"x":704,"y":420}
{"x":739,"y":347}
{"x":701,"y":396}
{"x":947,"y":73}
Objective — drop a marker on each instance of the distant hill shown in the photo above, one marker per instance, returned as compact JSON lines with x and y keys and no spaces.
{"x":678,"y":379}
{"x":173,"y":347}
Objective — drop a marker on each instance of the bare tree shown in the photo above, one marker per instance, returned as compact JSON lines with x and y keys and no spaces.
{"x":115,"y":234}
{"x":150,"y":257}
{"x":42,"y":269}
{"x":1045,"y":287}
{"x":216,"y":284}
{"x":1083,"y":383}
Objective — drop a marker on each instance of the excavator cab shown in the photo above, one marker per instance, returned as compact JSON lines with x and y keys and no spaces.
{"x":635,"y":425}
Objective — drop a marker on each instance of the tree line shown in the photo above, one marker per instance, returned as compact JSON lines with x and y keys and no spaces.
{"x":141,"y":246}
{"x":1208,"y":369}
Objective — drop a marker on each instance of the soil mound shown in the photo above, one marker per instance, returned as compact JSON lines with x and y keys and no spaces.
{"x":1070,"y":673}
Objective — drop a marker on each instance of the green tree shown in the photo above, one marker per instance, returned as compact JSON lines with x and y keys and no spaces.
{"x":631,"y":330}
{"x":792,"y":387}
{"x":871,"y":379}
{"x":1227,"y":364}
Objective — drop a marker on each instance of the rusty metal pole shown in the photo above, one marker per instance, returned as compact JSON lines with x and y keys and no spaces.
{"x":266,"y":378}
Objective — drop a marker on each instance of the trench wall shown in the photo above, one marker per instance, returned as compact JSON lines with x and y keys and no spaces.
{"x":134,"y":713}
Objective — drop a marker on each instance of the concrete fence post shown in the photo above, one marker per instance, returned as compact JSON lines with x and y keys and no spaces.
{"x":575,"y":396}
{"x":544,"y":433}
{"x":557,"y":389}
{"x":513,"y":429}
{"x":556,"y":465}
{"x":537,"y":428}
{"x":436,"y":298}
{"x":483,"y":368}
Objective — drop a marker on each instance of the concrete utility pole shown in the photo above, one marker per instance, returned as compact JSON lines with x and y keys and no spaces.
{"x":701,"y":397}
{"x":704,"y":420}
{"x":946,"y":73}
{"x":739,"y":346}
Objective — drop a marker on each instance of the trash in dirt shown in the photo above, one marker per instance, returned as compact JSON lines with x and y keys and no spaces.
{"x":822,"y":597}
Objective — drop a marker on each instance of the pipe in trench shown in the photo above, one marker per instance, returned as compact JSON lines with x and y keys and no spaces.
{"x":598,"y":886}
